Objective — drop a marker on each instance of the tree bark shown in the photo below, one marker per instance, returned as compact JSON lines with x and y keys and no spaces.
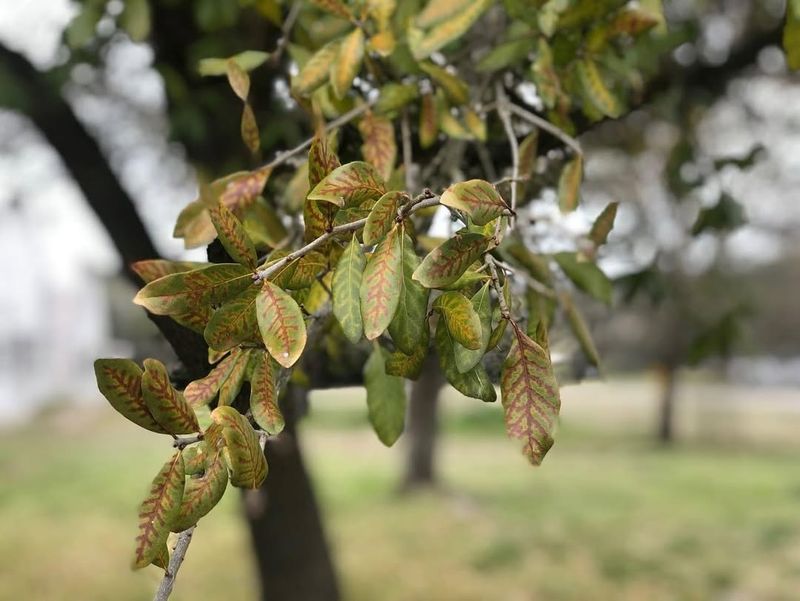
{"x":422,"y":425}
{"x":286,"y":529}
{"x":666,"y":409}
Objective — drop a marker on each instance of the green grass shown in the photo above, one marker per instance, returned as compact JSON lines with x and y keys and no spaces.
{"x":608,"y":516}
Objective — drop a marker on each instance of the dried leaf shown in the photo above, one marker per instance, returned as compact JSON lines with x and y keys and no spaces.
{"x":264,"y":394}
{"x":251,"y":136}
{"x":428,"y":121}
{"x":158,"y":510}
{"x":232,"y":235}
{"x":202,"y":493}
{"x":238,"y":79}
{"x":379,"y":148}
{"x":281,"y":323}
{"x":446,"y":263}
{"x":166,"y":405}
{"x":382,"y":217}
{"x":246,"y":459}
{"x":351,"y":184}
{"x":152,"y":269}
{"x":120,"y":382}
{"x":348,"y":62}
{"x":478,"y":199}
{"x":381,"y":285}
{"x":530,"y":395}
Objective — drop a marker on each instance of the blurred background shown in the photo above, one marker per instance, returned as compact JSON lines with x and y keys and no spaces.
{"x":675,"y":472}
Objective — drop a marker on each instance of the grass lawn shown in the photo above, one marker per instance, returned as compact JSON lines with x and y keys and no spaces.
{"x":609,"y":515}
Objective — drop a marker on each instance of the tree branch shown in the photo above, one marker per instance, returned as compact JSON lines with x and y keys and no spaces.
{"x":42,"y":102}
{"x":175,"y":562}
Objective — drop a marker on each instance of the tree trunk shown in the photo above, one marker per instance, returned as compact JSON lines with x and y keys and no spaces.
{"x":666,"y":413}
{"x":422,"y":425}
{"x":292,"y":554}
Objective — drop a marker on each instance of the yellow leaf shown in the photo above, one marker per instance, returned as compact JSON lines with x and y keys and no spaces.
{"x":348,"y":62}
{"x":316,"y":70}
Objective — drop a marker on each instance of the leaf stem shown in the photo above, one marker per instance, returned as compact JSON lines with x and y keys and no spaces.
{"x":504,"y":112}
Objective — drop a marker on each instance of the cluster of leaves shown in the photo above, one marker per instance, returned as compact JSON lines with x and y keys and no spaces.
{"x":349,"y":237}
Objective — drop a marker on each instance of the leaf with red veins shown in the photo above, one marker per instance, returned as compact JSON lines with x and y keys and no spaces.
{"x":281,"y":324}
{"x":381,"y":285}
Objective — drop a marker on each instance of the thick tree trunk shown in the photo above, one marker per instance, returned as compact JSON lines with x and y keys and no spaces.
{"x":666,"y":410}
{"x":422,"y":426}
{"x":292,"y":554}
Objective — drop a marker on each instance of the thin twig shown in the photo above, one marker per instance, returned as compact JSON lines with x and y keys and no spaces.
{"x":322,"y":239}
{"x":547,"y":126}
{"x":408,"y":157}
{"x":178,"y":555}
{"x":490,"y":261}
{"x":284,"y":156}
{"x":286,"y":29}
{"x":504,"y":112}
{"x":532,"y":283}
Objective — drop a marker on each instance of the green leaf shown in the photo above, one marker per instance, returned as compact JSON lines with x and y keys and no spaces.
{"x":467,"y":358}
{"x":379,"y":148}
{"x":724,"y":216}
{"x":455,"y":89}
{"x":445,"y":263}
{"x":569,"y":185}
{"x":120,"y":381}
{"x":381,"y":285}
{"x":474,"y":383}
{"x":382,"y":217}
{"x":176,"y":293}
{"x":386,"y":398}
{"x":348,"y":62}
{"x":351,"y":184}
{"x":264,"y":395}
{"x":478,"y":199}
{"x":281,"y":323}
{"x":245,"y":457}
{"x":166,"y":405}
{"x":202,"y":391}
{"x":586,"y":276}
{"x":158,"y":510}
{"x":135,"y":19}
{"x":445,"y":31}
{"x":409,"y":327}
{"x":595,"y":89}
{"x":395,"y":96}
{"x":202,"y":492}
{"x":580,"y":329}
{"x":409,"y":366}
{"x":534,"y":264}
{"x":530,"y":395}
{"x":232,"y":235}
{"x":462,"y":321}
{"x":347,"y":290}
{"x":247,"y":61}
{"x":233,"y":383}
{"x":316,"y":70}
{"x":603,"y":225}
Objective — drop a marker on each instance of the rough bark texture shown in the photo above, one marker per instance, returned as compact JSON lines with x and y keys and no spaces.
{"x":298,"y":567}
{"x":422,"y":425}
